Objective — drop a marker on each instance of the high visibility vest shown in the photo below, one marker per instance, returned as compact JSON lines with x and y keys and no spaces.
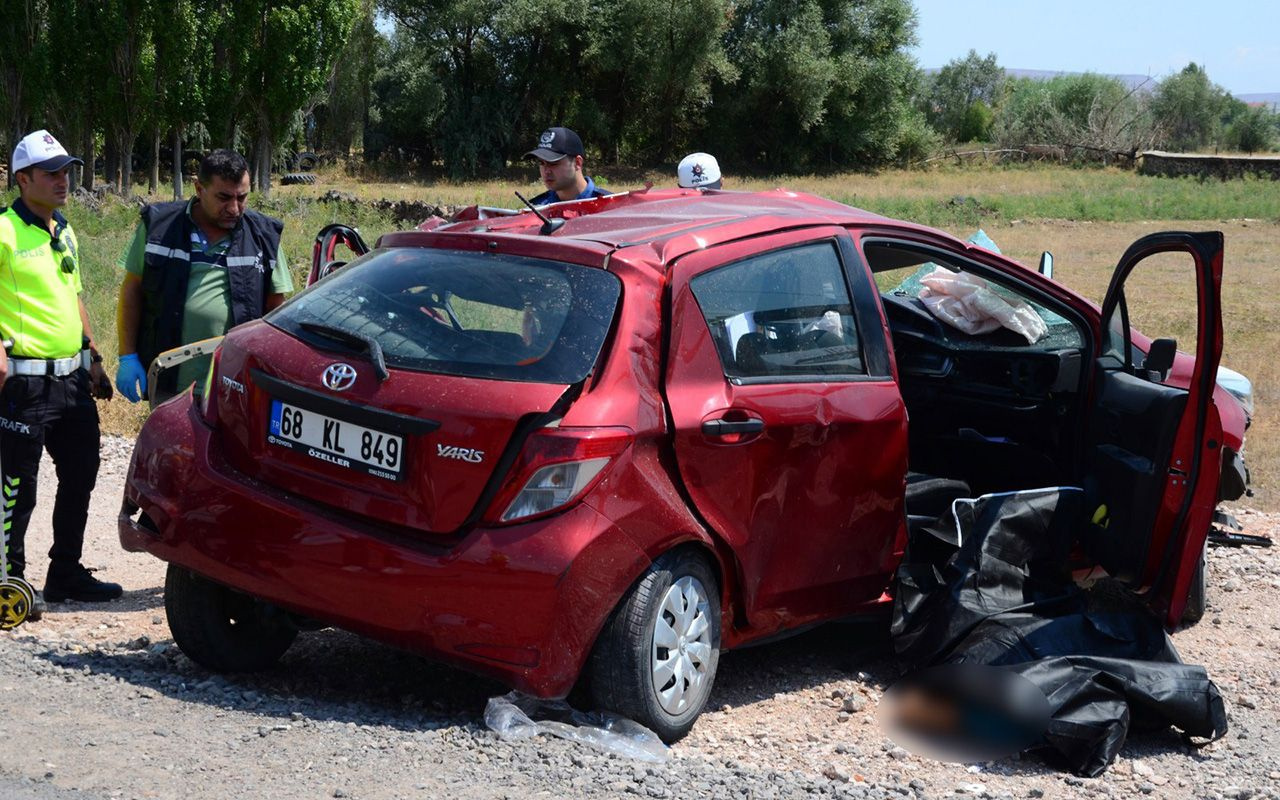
{"x":39,"y":300}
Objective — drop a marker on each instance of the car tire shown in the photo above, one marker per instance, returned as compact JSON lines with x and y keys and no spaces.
{"x":1198,"y":593}
{"x":305,"y":161}
{"x":221,"y":629}
{"x":655,"y":660}
{"x":291,"y":178}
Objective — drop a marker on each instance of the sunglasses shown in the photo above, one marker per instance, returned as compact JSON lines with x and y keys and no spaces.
{"x":68,"y":262}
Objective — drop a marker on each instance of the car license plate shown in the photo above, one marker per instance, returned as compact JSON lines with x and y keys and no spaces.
{"x":336,"y":441}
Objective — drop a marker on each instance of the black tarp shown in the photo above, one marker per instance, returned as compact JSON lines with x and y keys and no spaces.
{"x":989,"y":584}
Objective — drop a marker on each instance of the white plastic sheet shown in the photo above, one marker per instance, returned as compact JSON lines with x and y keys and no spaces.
{"x":967,"y":303}
{"x":514,"y":716}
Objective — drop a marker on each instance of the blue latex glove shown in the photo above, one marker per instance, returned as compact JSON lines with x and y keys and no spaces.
{"x":129,"y":373}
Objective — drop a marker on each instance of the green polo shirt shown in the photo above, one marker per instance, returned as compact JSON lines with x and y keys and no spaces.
{"x":208,"y":308}
{"x":39,"y":299}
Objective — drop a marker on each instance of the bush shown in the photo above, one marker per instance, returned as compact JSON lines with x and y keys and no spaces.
{"x":1253,"y":131}
{"x":1088,"y":117}
{"x":917,"y":141}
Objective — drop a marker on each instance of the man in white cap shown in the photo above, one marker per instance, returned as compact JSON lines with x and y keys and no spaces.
{"x":560,"y":157}
{"x":50,"y":370}
{"x":699,"y":171}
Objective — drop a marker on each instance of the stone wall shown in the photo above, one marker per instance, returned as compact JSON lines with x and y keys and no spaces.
{"x":1155,"y":162}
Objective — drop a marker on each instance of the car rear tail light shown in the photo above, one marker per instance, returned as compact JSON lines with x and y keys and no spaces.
{"x":556,"y":468}
{"x":209,"y":397}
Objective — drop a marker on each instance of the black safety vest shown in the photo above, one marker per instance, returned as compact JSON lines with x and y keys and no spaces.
{"x":249,"y":261}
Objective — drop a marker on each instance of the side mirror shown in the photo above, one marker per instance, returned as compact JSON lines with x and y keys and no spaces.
{"x":1046,"y":264}
{"x":1160,"y":358}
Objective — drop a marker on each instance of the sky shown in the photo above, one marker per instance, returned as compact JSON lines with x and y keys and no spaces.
{"x":1237,"y":42}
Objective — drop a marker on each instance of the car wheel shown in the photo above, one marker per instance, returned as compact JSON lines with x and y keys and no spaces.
{"x":293,"y":178}
{"x":305,"y":162}
{"x":655,"y":660}
{"x":221,"y":629}
{"x":1197,"y":595}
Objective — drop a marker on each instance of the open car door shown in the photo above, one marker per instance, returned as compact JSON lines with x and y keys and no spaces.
{"x":1155,"y":441}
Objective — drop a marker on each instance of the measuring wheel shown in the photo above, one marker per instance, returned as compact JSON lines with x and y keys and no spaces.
{"x":16,"y":595}
{"x":16,"y":599}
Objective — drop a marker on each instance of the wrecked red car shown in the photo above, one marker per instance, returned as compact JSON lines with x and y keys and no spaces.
{"x":604,"y":449}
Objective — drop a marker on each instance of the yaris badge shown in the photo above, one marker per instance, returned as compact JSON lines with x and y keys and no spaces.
{"x":339,"y":377}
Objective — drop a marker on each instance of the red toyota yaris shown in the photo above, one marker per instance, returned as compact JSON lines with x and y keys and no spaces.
{"x":678,"y":422}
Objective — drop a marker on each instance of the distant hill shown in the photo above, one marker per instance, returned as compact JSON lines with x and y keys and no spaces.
{"x":1263,"y":98}
{"x":1143,"y":82}
{"x":1131,"y":81}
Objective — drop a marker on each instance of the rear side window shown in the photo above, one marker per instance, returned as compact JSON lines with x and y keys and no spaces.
{"x":784,"y":313}
{"x":461,"y":313}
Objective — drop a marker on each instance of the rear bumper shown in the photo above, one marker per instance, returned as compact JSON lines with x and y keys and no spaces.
{"x":522,"y":604}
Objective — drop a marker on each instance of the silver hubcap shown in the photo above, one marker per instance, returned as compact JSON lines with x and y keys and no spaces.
{"x":682,"y":651}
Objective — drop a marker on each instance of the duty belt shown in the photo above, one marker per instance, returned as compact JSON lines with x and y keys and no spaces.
{"x":56,"y":367}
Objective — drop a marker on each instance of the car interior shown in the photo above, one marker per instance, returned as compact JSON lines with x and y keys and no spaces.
{"x":994,"y":412}
{"x":990,"y":409}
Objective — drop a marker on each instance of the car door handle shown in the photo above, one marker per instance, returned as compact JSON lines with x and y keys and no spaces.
{"x":725,"y":427}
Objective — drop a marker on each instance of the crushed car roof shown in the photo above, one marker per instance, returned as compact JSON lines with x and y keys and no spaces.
{"x":649,"y":215}
{"x":667,"y":223}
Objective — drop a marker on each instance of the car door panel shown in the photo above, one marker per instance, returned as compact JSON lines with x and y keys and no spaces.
{"x":1155,"y":447}
{"x":806,"y":489}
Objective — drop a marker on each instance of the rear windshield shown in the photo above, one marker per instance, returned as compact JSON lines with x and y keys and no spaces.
{"x":462,"y":313}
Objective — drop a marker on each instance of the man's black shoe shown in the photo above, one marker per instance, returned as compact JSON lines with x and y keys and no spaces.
{"x":78,"y":583}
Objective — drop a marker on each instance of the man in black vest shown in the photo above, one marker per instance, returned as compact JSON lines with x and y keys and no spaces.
{"x":195,"y":269}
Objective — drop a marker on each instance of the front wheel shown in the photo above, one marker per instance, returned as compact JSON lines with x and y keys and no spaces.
{"x":655,"y":660}
{"x":221,"y":629}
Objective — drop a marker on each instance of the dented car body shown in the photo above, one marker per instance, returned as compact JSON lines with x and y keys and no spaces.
{"x":681,"y":422}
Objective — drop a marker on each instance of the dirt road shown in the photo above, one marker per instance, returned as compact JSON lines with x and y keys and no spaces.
{"x":96,"y":702}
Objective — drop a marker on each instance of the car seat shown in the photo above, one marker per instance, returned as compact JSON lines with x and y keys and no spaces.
{"x":749,"y":354}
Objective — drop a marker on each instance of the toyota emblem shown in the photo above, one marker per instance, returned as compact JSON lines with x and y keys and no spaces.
{"x":339,"y":377}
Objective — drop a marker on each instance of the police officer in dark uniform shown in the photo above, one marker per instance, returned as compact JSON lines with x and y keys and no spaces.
{"x":560,"y":156}
{"x":50,"y":371}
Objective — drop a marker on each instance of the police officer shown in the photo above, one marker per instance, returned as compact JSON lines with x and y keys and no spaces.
{"x":560,"y":157}
{"x":194,"y":269}
{"x":50,"y":373}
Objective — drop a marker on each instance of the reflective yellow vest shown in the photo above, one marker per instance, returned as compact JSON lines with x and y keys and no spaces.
{"x":39,"y":300}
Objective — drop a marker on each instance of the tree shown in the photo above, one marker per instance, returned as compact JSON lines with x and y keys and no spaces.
{"x":1189,"y":108}
{"x":407,"y":101}
{"x":343,"y":116}
{"x":820,"y":82}
{"x":179,"y":88}
{"x":1252,"y":130}
{"x":23,"y":65}
{"x":649,"y":70}
{"x":127,"y":97}
{"x":871,"y":120}
{"x":1088,"y":116}
{"x":960,"y":98}
{"x":291,"y":49}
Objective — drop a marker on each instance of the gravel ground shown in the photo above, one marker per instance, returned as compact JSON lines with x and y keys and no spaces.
{"x":96,"y":702}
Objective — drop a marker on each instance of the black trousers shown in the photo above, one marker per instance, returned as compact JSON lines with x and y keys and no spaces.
{"x":57,"y":414}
